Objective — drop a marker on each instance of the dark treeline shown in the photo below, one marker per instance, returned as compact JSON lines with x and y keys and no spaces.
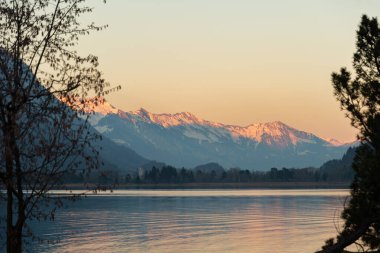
{"x":171,"y":175}
{"x":331,"y":171}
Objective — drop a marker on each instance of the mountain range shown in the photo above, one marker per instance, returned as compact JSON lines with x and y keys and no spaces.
{"x":183,"y":139}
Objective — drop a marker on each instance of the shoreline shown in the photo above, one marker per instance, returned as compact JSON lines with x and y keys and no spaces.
{"x":216,"y":186}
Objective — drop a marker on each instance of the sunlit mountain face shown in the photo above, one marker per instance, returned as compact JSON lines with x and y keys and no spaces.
{"x":183,"y":139}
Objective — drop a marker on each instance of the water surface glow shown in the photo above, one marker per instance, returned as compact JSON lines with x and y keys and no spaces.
{"x":196,"y":221}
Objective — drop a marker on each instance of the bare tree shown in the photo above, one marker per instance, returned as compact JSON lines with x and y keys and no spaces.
{"x":42,"y":138}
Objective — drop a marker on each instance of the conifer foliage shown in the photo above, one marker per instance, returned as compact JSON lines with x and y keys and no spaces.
{"x":359,"y":96}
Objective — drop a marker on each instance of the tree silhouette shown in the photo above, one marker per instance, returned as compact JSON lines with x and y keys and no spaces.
{"x":360,"y":97}
{"x":42,"y":138}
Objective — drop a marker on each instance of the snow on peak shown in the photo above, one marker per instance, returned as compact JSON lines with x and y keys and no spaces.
{"x":272,"y":133}
{"x":102,"y":107}
{"x":335,"y":142}
{"x":144,"y":114}
{"x":97,"y":105}
{"x":166,"y":119}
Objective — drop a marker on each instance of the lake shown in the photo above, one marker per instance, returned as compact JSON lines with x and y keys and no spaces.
{"x":176,"y":221}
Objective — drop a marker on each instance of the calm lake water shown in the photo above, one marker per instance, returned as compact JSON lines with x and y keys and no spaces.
{"x":196,"y":221}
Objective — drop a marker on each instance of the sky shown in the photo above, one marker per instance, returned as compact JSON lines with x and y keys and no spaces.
{"x":236,"y":62}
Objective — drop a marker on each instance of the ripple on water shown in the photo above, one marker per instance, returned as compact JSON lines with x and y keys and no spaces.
{"x":196,"y":221}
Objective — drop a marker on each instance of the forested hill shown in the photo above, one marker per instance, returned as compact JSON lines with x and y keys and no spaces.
{"x":338,"y":170}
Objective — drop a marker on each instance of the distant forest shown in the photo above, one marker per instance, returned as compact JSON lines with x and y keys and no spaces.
{"x":331,"y":171}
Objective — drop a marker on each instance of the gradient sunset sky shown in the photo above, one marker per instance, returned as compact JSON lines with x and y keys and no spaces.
{"x":235,"y":62}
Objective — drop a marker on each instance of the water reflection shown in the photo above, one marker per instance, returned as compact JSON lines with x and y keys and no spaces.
{"x":196,"y":221}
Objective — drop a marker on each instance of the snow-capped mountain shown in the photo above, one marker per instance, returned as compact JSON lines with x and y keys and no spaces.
{"x":183,"y":139}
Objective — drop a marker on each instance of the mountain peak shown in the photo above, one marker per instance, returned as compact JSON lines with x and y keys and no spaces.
{"x":272,"y":133}
{"x":167,"y":119}
{"x":337,"y":143}
{"x":277,"y":123}
{"x":143,"y":113}
{"x":101,"y":106}
{"x":188,"y":115}
{"x":97,"y":105}
{"x":182,"y":139}
{"x":182,"y":118}
{"x":272,"y":124}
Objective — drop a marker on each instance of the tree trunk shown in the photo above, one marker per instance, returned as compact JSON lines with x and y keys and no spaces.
{"x":9,"y":185}
{"x":14,"y":232}
{"x":18,"y":240}
{"x":339,"y":246}
{"x":14,"y":240}
{"x":10,"y":230}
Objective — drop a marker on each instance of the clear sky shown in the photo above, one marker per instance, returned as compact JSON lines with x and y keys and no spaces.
{"x":235,"y":62}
